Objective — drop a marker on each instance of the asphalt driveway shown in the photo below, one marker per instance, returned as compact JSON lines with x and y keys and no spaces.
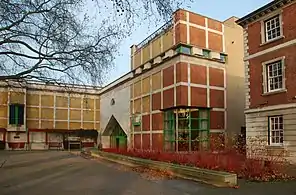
{"x":63,"y":173}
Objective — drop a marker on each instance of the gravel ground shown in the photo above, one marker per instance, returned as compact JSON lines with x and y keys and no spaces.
{"x":63,"y":173}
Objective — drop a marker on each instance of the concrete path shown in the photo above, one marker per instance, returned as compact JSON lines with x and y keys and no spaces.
{"x":63,"y":173}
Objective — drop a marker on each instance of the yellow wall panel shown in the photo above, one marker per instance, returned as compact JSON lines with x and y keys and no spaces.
{"x":62,"y":101}
{"x":61,"y":125}
{"x":98,"y":116}
{"x":156,"y":47}
{"x":47,"y":113}
{"x":61,"y":114}
{"x":88,"y":115}
{"x":156,"y":81}
{"x":88,"y":103}
{"x":75,"y":125}
{"x":47,"y":100}
{"x":75,"y":114}
{"x":137,"y":61}
{"x":88,"y":125}
{"x":131,"y":107}
{"x":132,"y":90}
{"x":98,"y":104}
{"x":98,"y":126}
{"x":17,"y":97}
{"x":146,"y":85}
{"x":137,"y":89}
{"x":146,"y":104}
{"x":137,"y":106}
{"x":3,"y":123}
{"x":32,"y":113}
{"x":32,"y":100}
{"x":3,"y":97}
{"x":3,"y":111}
{"x":32,"y":124}
{"x":146,"y":53}
{"x":75,"y":102}
{"x":46,"y":124}
{"x":168,"y":40}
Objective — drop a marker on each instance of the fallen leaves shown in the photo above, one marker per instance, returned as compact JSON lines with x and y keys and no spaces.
{"x":153,"y":174}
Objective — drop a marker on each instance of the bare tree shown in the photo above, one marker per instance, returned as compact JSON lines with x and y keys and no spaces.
{"x":57,"y":40}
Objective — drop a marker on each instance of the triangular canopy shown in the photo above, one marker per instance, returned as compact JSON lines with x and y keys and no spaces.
{"x":113,"y":127}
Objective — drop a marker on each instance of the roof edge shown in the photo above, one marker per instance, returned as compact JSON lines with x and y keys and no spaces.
{"x":274,"y":5}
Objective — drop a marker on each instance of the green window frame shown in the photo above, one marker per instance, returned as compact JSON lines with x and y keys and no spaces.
{"x":16,"y":114}
{"x":206,"y":53}
{"x":186,"y":129}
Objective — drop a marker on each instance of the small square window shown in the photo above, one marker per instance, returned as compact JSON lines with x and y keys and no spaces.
{"x":206,"y":53}
{"x":182,"y":49}
{"x":223,"y":57}
{"x":276,"y":130}
{"x":272,"y":28}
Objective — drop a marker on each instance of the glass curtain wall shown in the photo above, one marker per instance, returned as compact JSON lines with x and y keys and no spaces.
{"x":186,"y":129}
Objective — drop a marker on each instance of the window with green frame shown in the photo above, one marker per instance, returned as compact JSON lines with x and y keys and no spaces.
{"x":206,"y":53}
{"x":186,"y":129}
{"x":16,"y":114}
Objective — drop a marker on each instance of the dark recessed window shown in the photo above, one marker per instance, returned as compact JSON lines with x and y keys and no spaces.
{"x":16,"y":114}
{"x":112,"y":102}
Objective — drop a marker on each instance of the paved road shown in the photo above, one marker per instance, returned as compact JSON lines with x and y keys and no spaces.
{"x":63,"y":173}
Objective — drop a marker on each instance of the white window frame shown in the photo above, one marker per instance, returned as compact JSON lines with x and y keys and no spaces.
{"x":265,"y":83}
{"x":271,"y":128}
{"x":264,"y":28}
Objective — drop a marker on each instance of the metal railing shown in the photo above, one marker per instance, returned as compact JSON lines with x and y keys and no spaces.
{"x":163,"y":29}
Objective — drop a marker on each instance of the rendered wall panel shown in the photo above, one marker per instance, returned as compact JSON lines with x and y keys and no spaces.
{"x":137,"y":57}
{"x":98,"y":126}
{"x":32,"y":113}
{"x":88,"y":126}
{"x":88,"y":115}
{"x":75,"y":102}
{"x":3,"y":123}
{"x":62,"y":101}
{"x":137,"y":89}
{"x":88,"y":103}
{"x":32,"y":124}
{"x":47,"y":100}
{"x":32,"y":99}
{"x":146,"y":85}
{"x":46,"y":124}
{"x":75,"y":115}
{"x":61,"y":125}
{"x":98,"y":104}
{"x":156,"y":81}
{"x":47,"y":113}
{"x":62,"y":114}
{"x":98,"y":116}
{"x":146,"y":104}
{"x":3,"y":111}
{"x":137,"y":105}
{"x":3,"y":97}
{"x":156,"y":47}
{"x":146,"y":53}
{"x":75,"y":125}
{"x":17,"y":97}
{"x":168,"y":40}
{"x":132,"y":90}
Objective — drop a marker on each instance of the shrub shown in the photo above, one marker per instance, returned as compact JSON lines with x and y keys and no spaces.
{"x":258,"y":166}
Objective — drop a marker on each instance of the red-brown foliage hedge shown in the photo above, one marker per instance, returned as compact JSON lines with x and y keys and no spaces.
{"x":230,"y":161}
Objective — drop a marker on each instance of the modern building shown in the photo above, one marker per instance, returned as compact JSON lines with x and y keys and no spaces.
{"x":43,"y":116}
{"x":270,"y":44}
{"x":185,"y":90}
